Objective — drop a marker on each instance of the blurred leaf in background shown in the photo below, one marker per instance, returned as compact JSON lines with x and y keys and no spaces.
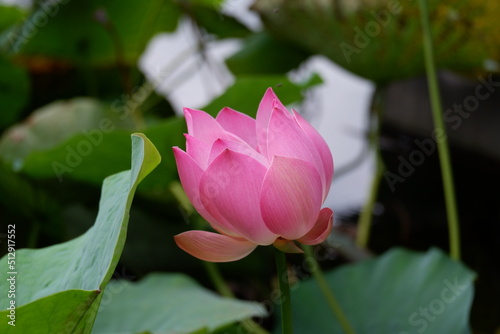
{"x":381,"y":40}
{"x":94,"y":32}
{"x":168,"y":303}
{"x":398,"y":292}
{"x":14,"y":91}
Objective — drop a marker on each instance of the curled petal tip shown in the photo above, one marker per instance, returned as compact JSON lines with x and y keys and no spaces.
{"x":321,"y":229}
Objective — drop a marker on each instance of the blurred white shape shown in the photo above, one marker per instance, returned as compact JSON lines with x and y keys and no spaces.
{"x":339,"y":107}
{"x":18,"y":3}
{"x":240,"y":9}
{"x":344,"y":102}
{"x":189,"y":80}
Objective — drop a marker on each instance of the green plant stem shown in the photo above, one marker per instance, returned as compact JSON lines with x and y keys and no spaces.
{"x":217,"y":280}
{"x":33,"y":235}
{"x":442,"y":142}
{"x":286,"y":305}
{"x":365,"y":219}
{"x":221,"y":287}
{"x":212,"y":270}
{"x":327,"y":292}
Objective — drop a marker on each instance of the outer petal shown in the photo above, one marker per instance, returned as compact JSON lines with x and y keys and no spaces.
{"x":230,"y":189}
{"x":286,"y":138}
{"x":291,"y":197}
{"x":198,"y":150}
{"x":321,"y":146}
{"x":204,"y":127}
{"x":221,"y":144}
{"x":266,"y":106}
{"x":239,"y":124}
{"x":320,"y":230}
{"x":213,"y":247}
{"x":190,"y":174}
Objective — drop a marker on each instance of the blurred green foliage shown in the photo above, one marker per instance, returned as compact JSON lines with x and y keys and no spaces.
{"x":382,"y":305}
{"x":72,"y":94}
{"x":381,"y":40}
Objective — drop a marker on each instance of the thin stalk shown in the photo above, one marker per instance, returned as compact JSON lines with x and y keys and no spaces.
{"x":286,"y":305}
{"x":217,"y":280}
{"x":327,"y":292}
{"x":365,"y":220}
{"x":221,"y":287}
{"x":34,"y":234}
{"x":212,"y":270}
{"x":442,"y":143}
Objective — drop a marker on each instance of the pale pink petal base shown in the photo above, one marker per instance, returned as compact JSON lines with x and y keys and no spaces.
{"x":287,"y":246}
{"x":213,"y":247}
{"x":320,"y":230}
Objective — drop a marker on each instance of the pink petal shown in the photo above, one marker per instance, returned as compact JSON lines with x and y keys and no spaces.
{"x":286,"y":138}
{"x":322,"y":147}
{"x":291,"y":197}
{"x":321,"y":230}
{"x":239,"y":124}
{"x":266,"y":106}
{"x":190,"y":175}
{"x":221,"y":144}
{"x":198,"y":150}
{"x":204,"y":127}
{"x":230,"y":189}
{"x":213,"y":247}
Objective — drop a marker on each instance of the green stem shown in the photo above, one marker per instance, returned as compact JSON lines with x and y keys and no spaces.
{"x":286,"y":305}
{"x":221,"y":287}
{"x":33,"y":235}
{"x":327,"y":292}
{"x":365,"y":220}
{"x":217,"y":280}
{"x":212,"y":270}
{"x":442,"y":142}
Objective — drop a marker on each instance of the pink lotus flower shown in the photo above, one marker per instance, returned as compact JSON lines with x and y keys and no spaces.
{"x":256,"y":181}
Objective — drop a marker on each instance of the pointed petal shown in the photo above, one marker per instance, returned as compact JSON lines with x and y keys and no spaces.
{"x":213,"y":247}
{"x":221,"y":144}
{"x":230,"y":189}
{"x":291,"y":197}
{"x":286,"y":138}
{"x":239,"y":124}
{"x":287,"y":246}
{"x":266,"y":106}
{"x":321,"y":230}
{"x":204,"y":127}
{"x":321,"y":146}
{"x":198,"y":150}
